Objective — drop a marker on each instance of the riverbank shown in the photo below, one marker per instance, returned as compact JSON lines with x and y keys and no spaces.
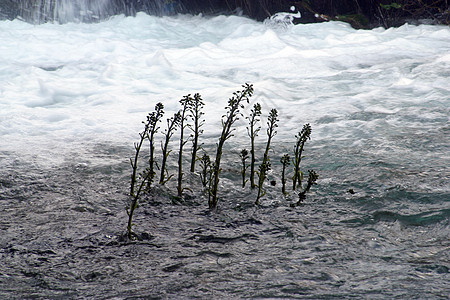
{"x":361,"y":14}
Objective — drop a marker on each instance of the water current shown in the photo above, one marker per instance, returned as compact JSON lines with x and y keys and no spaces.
{"x":72,"y":99}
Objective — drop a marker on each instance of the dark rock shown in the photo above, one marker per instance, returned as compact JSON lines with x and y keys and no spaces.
{"x":360,"y":14}
{"x":8,"y":9}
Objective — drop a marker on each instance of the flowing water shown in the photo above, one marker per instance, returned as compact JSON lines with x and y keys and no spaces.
{"x":72,"y":99}
{"x":64,"y":11}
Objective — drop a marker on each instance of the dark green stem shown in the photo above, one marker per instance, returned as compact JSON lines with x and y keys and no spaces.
{"x":196,"y":113}
{"x":253,"y":133}
{"x":285,"y":160}
{"x":302,"y":137}
{"x":263,"y":169}
{"x":265,"y":165}
{"x":205,"y":163}
{"x":153,"y":119}
{"x":271,"y":131}
{"x":312,"y":180}
{"x":171,"y":127}
{"x":244,"y":156}
{"x":146,"y":179}
{"x":234,"y":104}
{"x":186,"y":102}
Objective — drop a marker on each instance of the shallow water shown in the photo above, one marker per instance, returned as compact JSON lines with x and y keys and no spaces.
{"x":62,"y":238}
{"x":72,"y":98}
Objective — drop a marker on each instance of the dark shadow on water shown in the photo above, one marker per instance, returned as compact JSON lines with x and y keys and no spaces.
{"x":63,"y":236}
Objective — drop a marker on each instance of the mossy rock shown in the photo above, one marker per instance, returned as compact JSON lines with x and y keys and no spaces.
{"x":358,"y":21}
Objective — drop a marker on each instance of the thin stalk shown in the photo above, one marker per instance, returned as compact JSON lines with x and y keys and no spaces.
{"x":134,"y":163}
{"x":302,"y":137}
{"x":262,"y":173}
{"x":147,"y":177}
{"x":153,"y":120}
{"x":285,"y":161}
{"x":271,"y":131}
{"x":252,"y":131}
{"x":265,"y":165}
{"x":196,"y":113}
{"x":172,"y":124}
{"x":186,"y":102}
{"x":244,"y":157}
{"x":205,"y":164}
{"x":234,"y":104}
{"x":312,"y":180}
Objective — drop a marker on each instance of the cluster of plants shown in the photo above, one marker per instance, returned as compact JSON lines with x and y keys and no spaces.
{"x":189,"y":121}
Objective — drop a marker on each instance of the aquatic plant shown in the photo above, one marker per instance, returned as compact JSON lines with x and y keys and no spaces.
{"x":312,"y":180}
{"x":271,"y":131}
{"x":302,"y":137}
{"x":262,"y":174}
{"x":172,"y":124}
{"x":244,"y":157}
{"x":146,"y":177}
{"x":152,"y":121}
{"x":265,"y":165}
{"x":210,"y":170}
{"x":134,"y":163}
{"x":252,"y":131}
{"x":234,"y":104}
{"x":196,"y":114}
{"x":205,"y":163}
{"x":285,"y":161}
{"x":186,"y":103}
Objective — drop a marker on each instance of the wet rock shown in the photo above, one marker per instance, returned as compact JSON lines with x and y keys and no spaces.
{"x":8,"y":9}
{"x":172,"y":268}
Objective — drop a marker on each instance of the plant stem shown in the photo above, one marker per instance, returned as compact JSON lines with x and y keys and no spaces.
{"x":186,"y":102}
{"x":302,"y":137}
{"x":147,"y":178}
{"x":285,"y":161}
{"x":312,"y":180}
{"x":153,"y":119}
{"x":244,"y":156}
{"x":253,"y":133}
{"x":265,"y":166}
{"x":271,"y":131}
{"x":205,"y":163}
{"x":263,"y":169}
{"x":234,"y":104}
{"x":196,"y":114}
{"x":134,"y":163}
{"x":171,"y":127}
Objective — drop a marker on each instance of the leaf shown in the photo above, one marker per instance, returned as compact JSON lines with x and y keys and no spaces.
{"x":392,"y":5}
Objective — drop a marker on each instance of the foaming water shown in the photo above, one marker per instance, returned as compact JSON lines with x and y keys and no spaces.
{"x":72,"y":98}
{"x":63,"y":11}
{"x":80,"y":11}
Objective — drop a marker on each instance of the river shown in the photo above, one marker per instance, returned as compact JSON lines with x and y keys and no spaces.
{"x":72,"y":100}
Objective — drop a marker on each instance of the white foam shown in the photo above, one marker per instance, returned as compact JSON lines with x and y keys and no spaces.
{"x":98,"y":81}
